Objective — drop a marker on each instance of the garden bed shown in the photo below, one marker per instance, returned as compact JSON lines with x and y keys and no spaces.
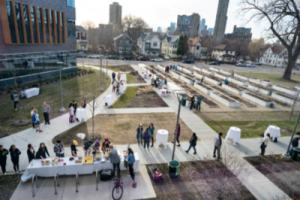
{"x":285,"y":98}
{"x":233,"y":89}
{"x":266,"y":102}
{"x":229,"y":102}
{"x":8,"y":184}
{"x":204,"y":88}
{"x":290,"y":91}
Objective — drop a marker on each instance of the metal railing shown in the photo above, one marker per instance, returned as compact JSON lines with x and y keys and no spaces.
{"x":77,"y":181}
{"x":32,"y":182}
{"x":56,"y":183}
{"x":97,"y":179}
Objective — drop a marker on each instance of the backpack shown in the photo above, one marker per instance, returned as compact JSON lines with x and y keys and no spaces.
{"x":275,"y":140}
{"x":12,"y":96}
{"x":33,"y":118}
{"x":146,"y":135}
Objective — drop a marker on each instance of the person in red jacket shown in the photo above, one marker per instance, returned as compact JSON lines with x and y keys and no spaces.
{"x":178,"y":135}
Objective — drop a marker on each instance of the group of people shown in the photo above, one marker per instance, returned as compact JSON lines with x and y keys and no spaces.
{"x":158,"y":83}
{"x":145,"y":136}
{"x":196,"y":102}
{"x":35,"y":118}
{"x":116,"y":82}
{"x":171,"y":67}
{"x":72,"y":110}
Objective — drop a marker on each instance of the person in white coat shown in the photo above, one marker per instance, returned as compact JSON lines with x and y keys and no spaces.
{"x":264,"y":144}
{"x":218,"y":145}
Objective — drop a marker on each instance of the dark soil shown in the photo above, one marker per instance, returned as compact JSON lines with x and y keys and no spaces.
{"x":8,"y":184}
{"x":260,"y":97}
{"x":124,"y":68}
{"x":200,"y":180}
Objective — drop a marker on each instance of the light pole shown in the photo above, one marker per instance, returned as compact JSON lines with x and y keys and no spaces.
{"x":288,"y":149}
{"x":100,"y":57}
{"x":106,"y":63}
{"x":62,"y":109}
{"x":179,"y":97}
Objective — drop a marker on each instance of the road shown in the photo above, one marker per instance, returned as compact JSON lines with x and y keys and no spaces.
{"x":258,"y":69}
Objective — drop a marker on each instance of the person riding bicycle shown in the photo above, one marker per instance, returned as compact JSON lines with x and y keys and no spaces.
{"x":114,"y":158}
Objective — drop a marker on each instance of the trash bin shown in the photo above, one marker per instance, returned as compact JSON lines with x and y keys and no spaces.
{"x":295,"y":153}
{"x":183,"y":102}
{"x":174,"y":169}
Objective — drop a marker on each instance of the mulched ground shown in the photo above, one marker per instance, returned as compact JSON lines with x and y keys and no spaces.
{"x":284,"y":174}
{"x":124,"y":68}
{"x":138,"y":78}
{"x":8,"y":184}
{"x":146,"y":97}
{"x":208,"y":179}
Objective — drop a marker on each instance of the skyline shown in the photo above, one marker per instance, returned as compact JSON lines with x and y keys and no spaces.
{"x":164,"y":14}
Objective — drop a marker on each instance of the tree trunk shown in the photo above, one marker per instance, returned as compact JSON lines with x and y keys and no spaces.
{"x":290,"y":66}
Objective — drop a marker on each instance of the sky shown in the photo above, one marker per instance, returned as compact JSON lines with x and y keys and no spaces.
{"x":162,"y":12}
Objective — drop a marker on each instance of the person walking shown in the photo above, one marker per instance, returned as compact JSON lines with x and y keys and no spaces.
{"x":151,"y":129}
{"x":114,"y":159}
{"x":264,"y":144}
{"x":139,"y":131}
{"x":199,"y":100}
{"x":74,"y":104}
{"x":192,"y":102}
{"x":31,"y":113}
{"x":113,"y":75}
{"x":36,"y":120}
{"x":295,"y":143}
{"x":193,"y":143}
{"x":14,"y":154}
{"x":73,"y":148}
{"x":30,"y":153}
{"x":59,"y":149}
{"x":146,"y":136}
{"x":41,"y":153}
{"x":131,"y":160}
{"x":3,"y":157}
{"x":86,"y":146}
{"x":15,"y":98}
{"x":46,"y":111}
{"x":178,"y":135}
{"x":218,"y":145}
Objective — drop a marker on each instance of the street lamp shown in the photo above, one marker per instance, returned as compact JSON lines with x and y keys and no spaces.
{"x":288,"y":149}
{"x":100,"y":57}
{"x":62,"y":109}
{"x":107,"y":50}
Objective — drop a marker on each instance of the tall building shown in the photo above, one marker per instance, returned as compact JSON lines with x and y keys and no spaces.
{"x":210,"y":31}
{"x":202,"y":24}
{"x":115,"y":13}
{"x":188,"y":25}
{"x":240,"y":32}
{"x":204,"y":32}
{"x":221,"y":19}
{"x":172,"y":27}
{"x":159,"y":29}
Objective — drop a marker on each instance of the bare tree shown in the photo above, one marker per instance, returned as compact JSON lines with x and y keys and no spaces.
{"x":210,"y":43}
{"x":240,"y":46}
{"x":88,"y":24}
{"x":283,"y":18}
{"x":255,"y":47}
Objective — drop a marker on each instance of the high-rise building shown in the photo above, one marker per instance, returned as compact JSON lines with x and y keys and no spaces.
{"x":221,"y":19}
{"x":204,"y":32}
{"x":202,"y":24}
{"x":172,"y":27}
{"x":159,"y":29}
{"x":210,"y":31}
{"x":188,"y":25}
{"x":115,"y":13}
{"x":240,"y":32}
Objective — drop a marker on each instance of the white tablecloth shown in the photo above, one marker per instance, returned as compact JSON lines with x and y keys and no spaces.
{"x":121,"y":89}
{"x":162,"y":92}
{"x":71,"y":167}
{"x":146,"y":75}
{"x":123,"y":77}
{"x":162,"y":137}
{"x":234,"y":133}
{"x":30,"y":92}
{"x":81,"y":114}
{"x":274,"y":132}
{"x":108,"y":99}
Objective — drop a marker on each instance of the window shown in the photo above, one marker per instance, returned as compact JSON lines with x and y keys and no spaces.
{"x":40,"y":20}
{"x":62,"y":25}
{"x":46,"y":22}
{"x":11,"y":24}
{"x":154,"y":52}
{"x":33,"y":22}
{"x":71,"y":28}
{"x":155,"y":44}
{"x":71,"y":3}
{"x":57,"y":26}
{"x":52,"y":26}
{"x":120,"y":48}
{"x":197,"y":47}
{"x":19,"y":22}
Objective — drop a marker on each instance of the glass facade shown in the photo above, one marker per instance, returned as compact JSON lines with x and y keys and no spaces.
{"x":40,"y":22}
{"x":46,"y":22}
{"x":34,"y":27}
{"x":71,"y":28}
{"x":71,"y":3}
{"x":26,"y":22}
{"x":62,"y":27}
{"x":57,"y":26}
{"x":10,"y":16}
{"x":19,"y":22}
{"x":52,"y":26}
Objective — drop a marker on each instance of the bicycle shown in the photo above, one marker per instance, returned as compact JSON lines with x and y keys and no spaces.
{"x":118,"y":189}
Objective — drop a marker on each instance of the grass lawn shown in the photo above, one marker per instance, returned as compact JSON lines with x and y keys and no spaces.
{"x":284,"y":174}
{"x":130,"y":79}
{"x":115,"y":68}
{"x":274,"y":78}
{"x":252,"y":124}
{"x":121,"y":129}
{"x":73,"y":89}
{"x":125,"y":98}
{"x":208,"y":179}
{"x":8,"y":184}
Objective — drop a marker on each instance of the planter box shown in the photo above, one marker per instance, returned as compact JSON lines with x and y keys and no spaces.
{"x":230,"y":104}
{"x":238,"y":82}
{"x":199,"y":76}
{"x":241,"y":77}
{"x":212,"y":81}
{"x":205,"y":88}
{"x":285,"y":90}
{"x":220,"y":76}
{"x":253,"y":88}
{"x":266,"y":92}
{"x":232,"y":89}
{"x":208,"y":72}
{"x":258,"y":101}
{"x":224,"y":72}
{"x":285,"y":99}
{"x":214,"y":69}
{"x":197,"y":68}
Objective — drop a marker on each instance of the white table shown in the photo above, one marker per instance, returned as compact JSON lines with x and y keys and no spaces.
{"x":146,"y":75}
{"x":162,"y":92}
{"x":123,"y":77}
{"x":234,"y":133}
{"x":30,"y":92}
{"x":121,"y":89}
{"x":71,"y":167}
{"x":162,"y":137}
{"x":274,"y":132}
{"x":81,"y":114}
{"x":108,"y":99}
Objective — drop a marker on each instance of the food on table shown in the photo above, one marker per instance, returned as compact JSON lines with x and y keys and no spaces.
{"x":71,"y":158}
{"x":77,"y":161}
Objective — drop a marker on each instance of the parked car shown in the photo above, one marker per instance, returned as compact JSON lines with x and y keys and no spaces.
{"x":221,"y":61}
{"x":189,"y":61}
{"x":143,"y":58}
{"x":214,"y":63}
{"x":241,"y":65}
{"x":93,"y":56}
{"x":157,"y":59}
{"x":251,"y":65}
{"x":113,"y":57}
{"x":166,"y":57}
{"x":128,"y":58}
{"x":80,"y":55}
{"x":259,"y":64}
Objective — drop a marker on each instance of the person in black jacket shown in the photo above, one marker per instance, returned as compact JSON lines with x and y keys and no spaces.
{"x":295,"y":143}
{"x":74,"y":104}
{"x":14,"y":154}
{"x":41,"y":154}
{"x":193,"y":143}
{"x":3,"y":154}
{"x":30,"y":153}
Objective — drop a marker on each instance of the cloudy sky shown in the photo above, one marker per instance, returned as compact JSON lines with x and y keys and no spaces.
{"x":163,"y":12}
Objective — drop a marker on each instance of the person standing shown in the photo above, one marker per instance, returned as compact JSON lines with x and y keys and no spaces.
{"x":36,"y":120}
{"x":105,"y":145}
{"x":95,"y":147}
{"x":218,"y":145}
{"x":73,"y":148}
{"x":59,"y":149}
{"x":46,"y":111}
{"x":75,"y":108}
{"x":151,"y":129}
{"x":15,"y":98}
{"x":31,"y":113}
{"x":146,"y":137}
{"x":86,"y":146}
{"x":295,"y":143}
{"x":30,"y":153}
{"x":193,"y":143}
{"x":3,"y":154}
{"x":114,"y":159}
{"x":14,"y":154}
{"x":119,"y":76}
{"x":199,"y":100}
{"x":71,"y":112}
{"x":131,"y":160}
{"x":192,"y":102}
{"x":114,"y":85}
{"x":264,"y":144}
{"x":41,"y":153}
{"x":113,"y":75}
{"x":139,"y":131}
